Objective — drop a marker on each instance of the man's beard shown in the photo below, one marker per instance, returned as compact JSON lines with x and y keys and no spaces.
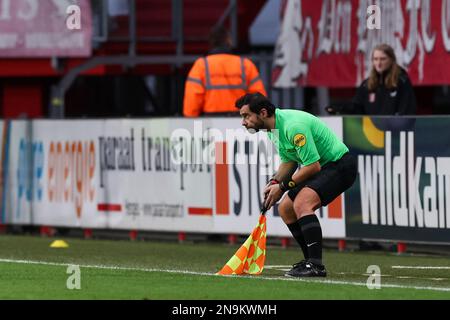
{"x":259,"y":125}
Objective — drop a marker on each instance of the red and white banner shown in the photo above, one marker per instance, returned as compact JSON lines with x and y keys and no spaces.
{"x":45,"y":28}
{"x":329,"y":42}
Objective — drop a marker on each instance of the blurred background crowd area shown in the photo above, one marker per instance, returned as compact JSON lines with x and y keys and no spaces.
{"x":141,"y":51}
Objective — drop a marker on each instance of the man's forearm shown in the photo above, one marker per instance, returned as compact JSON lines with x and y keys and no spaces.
{"x":306,"y":172}
{"x":285,"y":171}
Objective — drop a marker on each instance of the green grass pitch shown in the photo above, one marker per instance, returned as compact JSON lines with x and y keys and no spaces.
{"x":30,"y":269}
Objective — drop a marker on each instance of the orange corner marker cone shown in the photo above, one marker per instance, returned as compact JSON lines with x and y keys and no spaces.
{"x":250,"y":257}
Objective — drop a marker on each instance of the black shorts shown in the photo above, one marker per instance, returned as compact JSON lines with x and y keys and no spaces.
{"x":332,"y":180}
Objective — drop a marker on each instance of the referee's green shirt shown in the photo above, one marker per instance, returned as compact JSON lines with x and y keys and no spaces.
{"x":304,"y":138}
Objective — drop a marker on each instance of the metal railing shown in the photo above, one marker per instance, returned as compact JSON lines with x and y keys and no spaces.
{"x":101,"y":35}
{"x":292,"y":98}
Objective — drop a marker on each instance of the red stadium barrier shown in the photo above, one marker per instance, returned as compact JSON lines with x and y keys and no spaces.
{"x":46,"y":231}
{"x":401,"y":247}
{"x":133,"y":235}
{"x":285,"y":242}
{"x":87,"y":233}
{"x":181,"y":237}
{"x":342,"y":245}
{"x":232,"y":239}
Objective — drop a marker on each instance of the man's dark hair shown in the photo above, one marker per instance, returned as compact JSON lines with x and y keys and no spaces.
{"x":256,"y":102}
{"x":219,"y":38}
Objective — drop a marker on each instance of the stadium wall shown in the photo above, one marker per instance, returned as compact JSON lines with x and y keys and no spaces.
{"x":206,"y":176}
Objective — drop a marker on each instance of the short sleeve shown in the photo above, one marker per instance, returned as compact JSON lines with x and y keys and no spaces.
{"x":283,"y":156}
{"x":303,"y":142}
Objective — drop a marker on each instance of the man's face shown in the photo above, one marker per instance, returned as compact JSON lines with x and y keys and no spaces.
{"x":381,"y":61}
{"x":250,"y":120}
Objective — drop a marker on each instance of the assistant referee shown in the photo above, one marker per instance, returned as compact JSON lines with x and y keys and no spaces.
{"x":327,"y":169}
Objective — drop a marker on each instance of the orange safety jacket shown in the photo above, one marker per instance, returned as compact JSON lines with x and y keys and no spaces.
{"x":216,"y":81}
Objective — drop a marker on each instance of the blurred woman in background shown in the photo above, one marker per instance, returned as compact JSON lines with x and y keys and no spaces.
{"x":387,"y":91}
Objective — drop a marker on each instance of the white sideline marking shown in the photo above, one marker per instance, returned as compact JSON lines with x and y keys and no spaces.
{"x":335,"y":282}
{"x":422,"y":267}
{"x":282,"y":268}
{"x":277,"y":266}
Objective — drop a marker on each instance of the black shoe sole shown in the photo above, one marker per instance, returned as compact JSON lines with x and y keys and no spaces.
{"x":306,"y":276}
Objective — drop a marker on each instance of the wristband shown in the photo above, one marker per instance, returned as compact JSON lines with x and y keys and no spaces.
{"x":290,"y":185}
{"x":273,"y":181}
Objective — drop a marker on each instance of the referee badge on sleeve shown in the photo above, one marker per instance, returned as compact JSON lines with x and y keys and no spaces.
{"x":299,"y":140}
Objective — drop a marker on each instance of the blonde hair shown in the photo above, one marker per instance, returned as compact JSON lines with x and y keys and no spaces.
{"x":391,"y":78}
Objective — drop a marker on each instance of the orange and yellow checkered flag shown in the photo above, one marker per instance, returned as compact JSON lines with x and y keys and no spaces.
{"x":250,"y":257}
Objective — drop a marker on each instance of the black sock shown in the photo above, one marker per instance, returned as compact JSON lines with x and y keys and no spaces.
{"x":312,"y":233}
{"x":296,"y":231}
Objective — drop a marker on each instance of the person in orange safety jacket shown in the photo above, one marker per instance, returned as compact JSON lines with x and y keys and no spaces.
{"x":216,"y":81}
